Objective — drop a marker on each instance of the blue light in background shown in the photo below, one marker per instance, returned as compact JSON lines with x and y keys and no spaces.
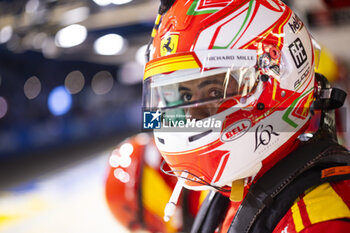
{"x":60,"y":101}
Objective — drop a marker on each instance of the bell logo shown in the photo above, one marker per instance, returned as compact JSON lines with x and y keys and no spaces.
{"x":168,"y":45}
{"x":236,"y":130}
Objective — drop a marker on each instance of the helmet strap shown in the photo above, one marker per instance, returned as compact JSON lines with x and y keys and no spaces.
{"x":327,"y":100}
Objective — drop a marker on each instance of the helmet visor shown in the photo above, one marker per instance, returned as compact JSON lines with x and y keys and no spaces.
{"x":198,"y":94}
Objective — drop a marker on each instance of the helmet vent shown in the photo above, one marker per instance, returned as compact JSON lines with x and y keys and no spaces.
{"x":198,"y":136}
{"x":161,"y":140}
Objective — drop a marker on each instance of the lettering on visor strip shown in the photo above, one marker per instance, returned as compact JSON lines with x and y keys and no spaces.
{"x":227,"y":58}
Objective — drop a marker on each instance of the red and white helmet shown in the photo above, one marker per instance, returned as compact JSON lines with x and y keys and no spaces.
{"x":233,"y":82}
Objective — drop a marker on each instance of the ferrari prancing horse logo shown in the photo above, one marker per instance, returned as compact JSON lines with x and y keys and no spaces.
{"x":168,"y":45}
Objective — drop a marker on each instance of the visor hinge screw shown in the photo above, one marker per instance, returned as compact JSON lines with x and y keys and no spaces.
{"x":283,"y":93}
{"x":260,"y":106}
{"x":264,"y":77}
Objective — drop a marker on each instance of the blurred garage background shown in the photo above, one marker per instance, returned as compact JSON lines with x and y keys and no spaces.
{"x":70,"y":90}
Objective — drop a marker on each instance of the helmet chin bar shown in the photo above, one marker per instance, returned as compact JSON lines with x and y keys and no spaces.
{"x":201,"y":181}
{"x":222,"y":188}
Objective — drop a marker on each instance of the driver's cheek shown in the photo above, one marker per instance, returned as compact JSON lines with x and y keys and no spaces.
{"x":203,"y":111}
{"x":213,"y":108}
{"x":198,"y":113}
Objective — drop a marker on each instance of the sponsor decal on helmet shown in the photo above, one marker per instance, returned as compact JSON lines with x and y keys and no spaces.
{"x":302,"y":78}
{"x":296,"y":24}
{"x":263,"y":135}
{"x":168,"y":45}
{"x":236,"y":130}
{"x":298,"y":53}
{"x":228,"y":58}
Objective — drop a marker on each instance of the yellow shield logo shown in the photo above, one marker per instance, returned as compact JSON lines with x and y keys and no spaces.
{"x":168,"y":45}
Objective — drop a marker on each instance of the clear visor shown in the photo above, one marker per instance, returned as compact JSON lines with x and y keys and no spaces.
{"x":197,"y":95}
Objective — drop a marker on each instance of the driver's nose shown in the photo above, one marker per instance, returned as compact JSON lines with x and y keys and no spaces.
{"x":200,"y":112}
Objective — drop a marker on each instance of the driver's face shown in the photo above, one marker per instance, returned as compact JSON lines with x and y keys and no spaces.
{"x":217,"y":87}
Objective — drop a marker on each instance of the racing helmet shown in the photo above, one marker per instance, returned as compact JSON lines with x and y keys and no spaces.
{"x":231,"y":84}
{"x":137,"y":191}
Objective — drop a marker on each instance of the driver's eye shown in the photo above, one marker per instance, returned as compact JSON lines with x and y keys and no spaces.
{"x":216,"y":93}
{"x":186,"y":97}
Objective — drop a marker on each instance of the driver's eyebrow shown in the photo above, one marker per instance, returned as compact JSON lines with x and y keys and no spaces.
{"x":182,"y":88}
{"x":202,"y":84}
{"x":208,"y":82}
